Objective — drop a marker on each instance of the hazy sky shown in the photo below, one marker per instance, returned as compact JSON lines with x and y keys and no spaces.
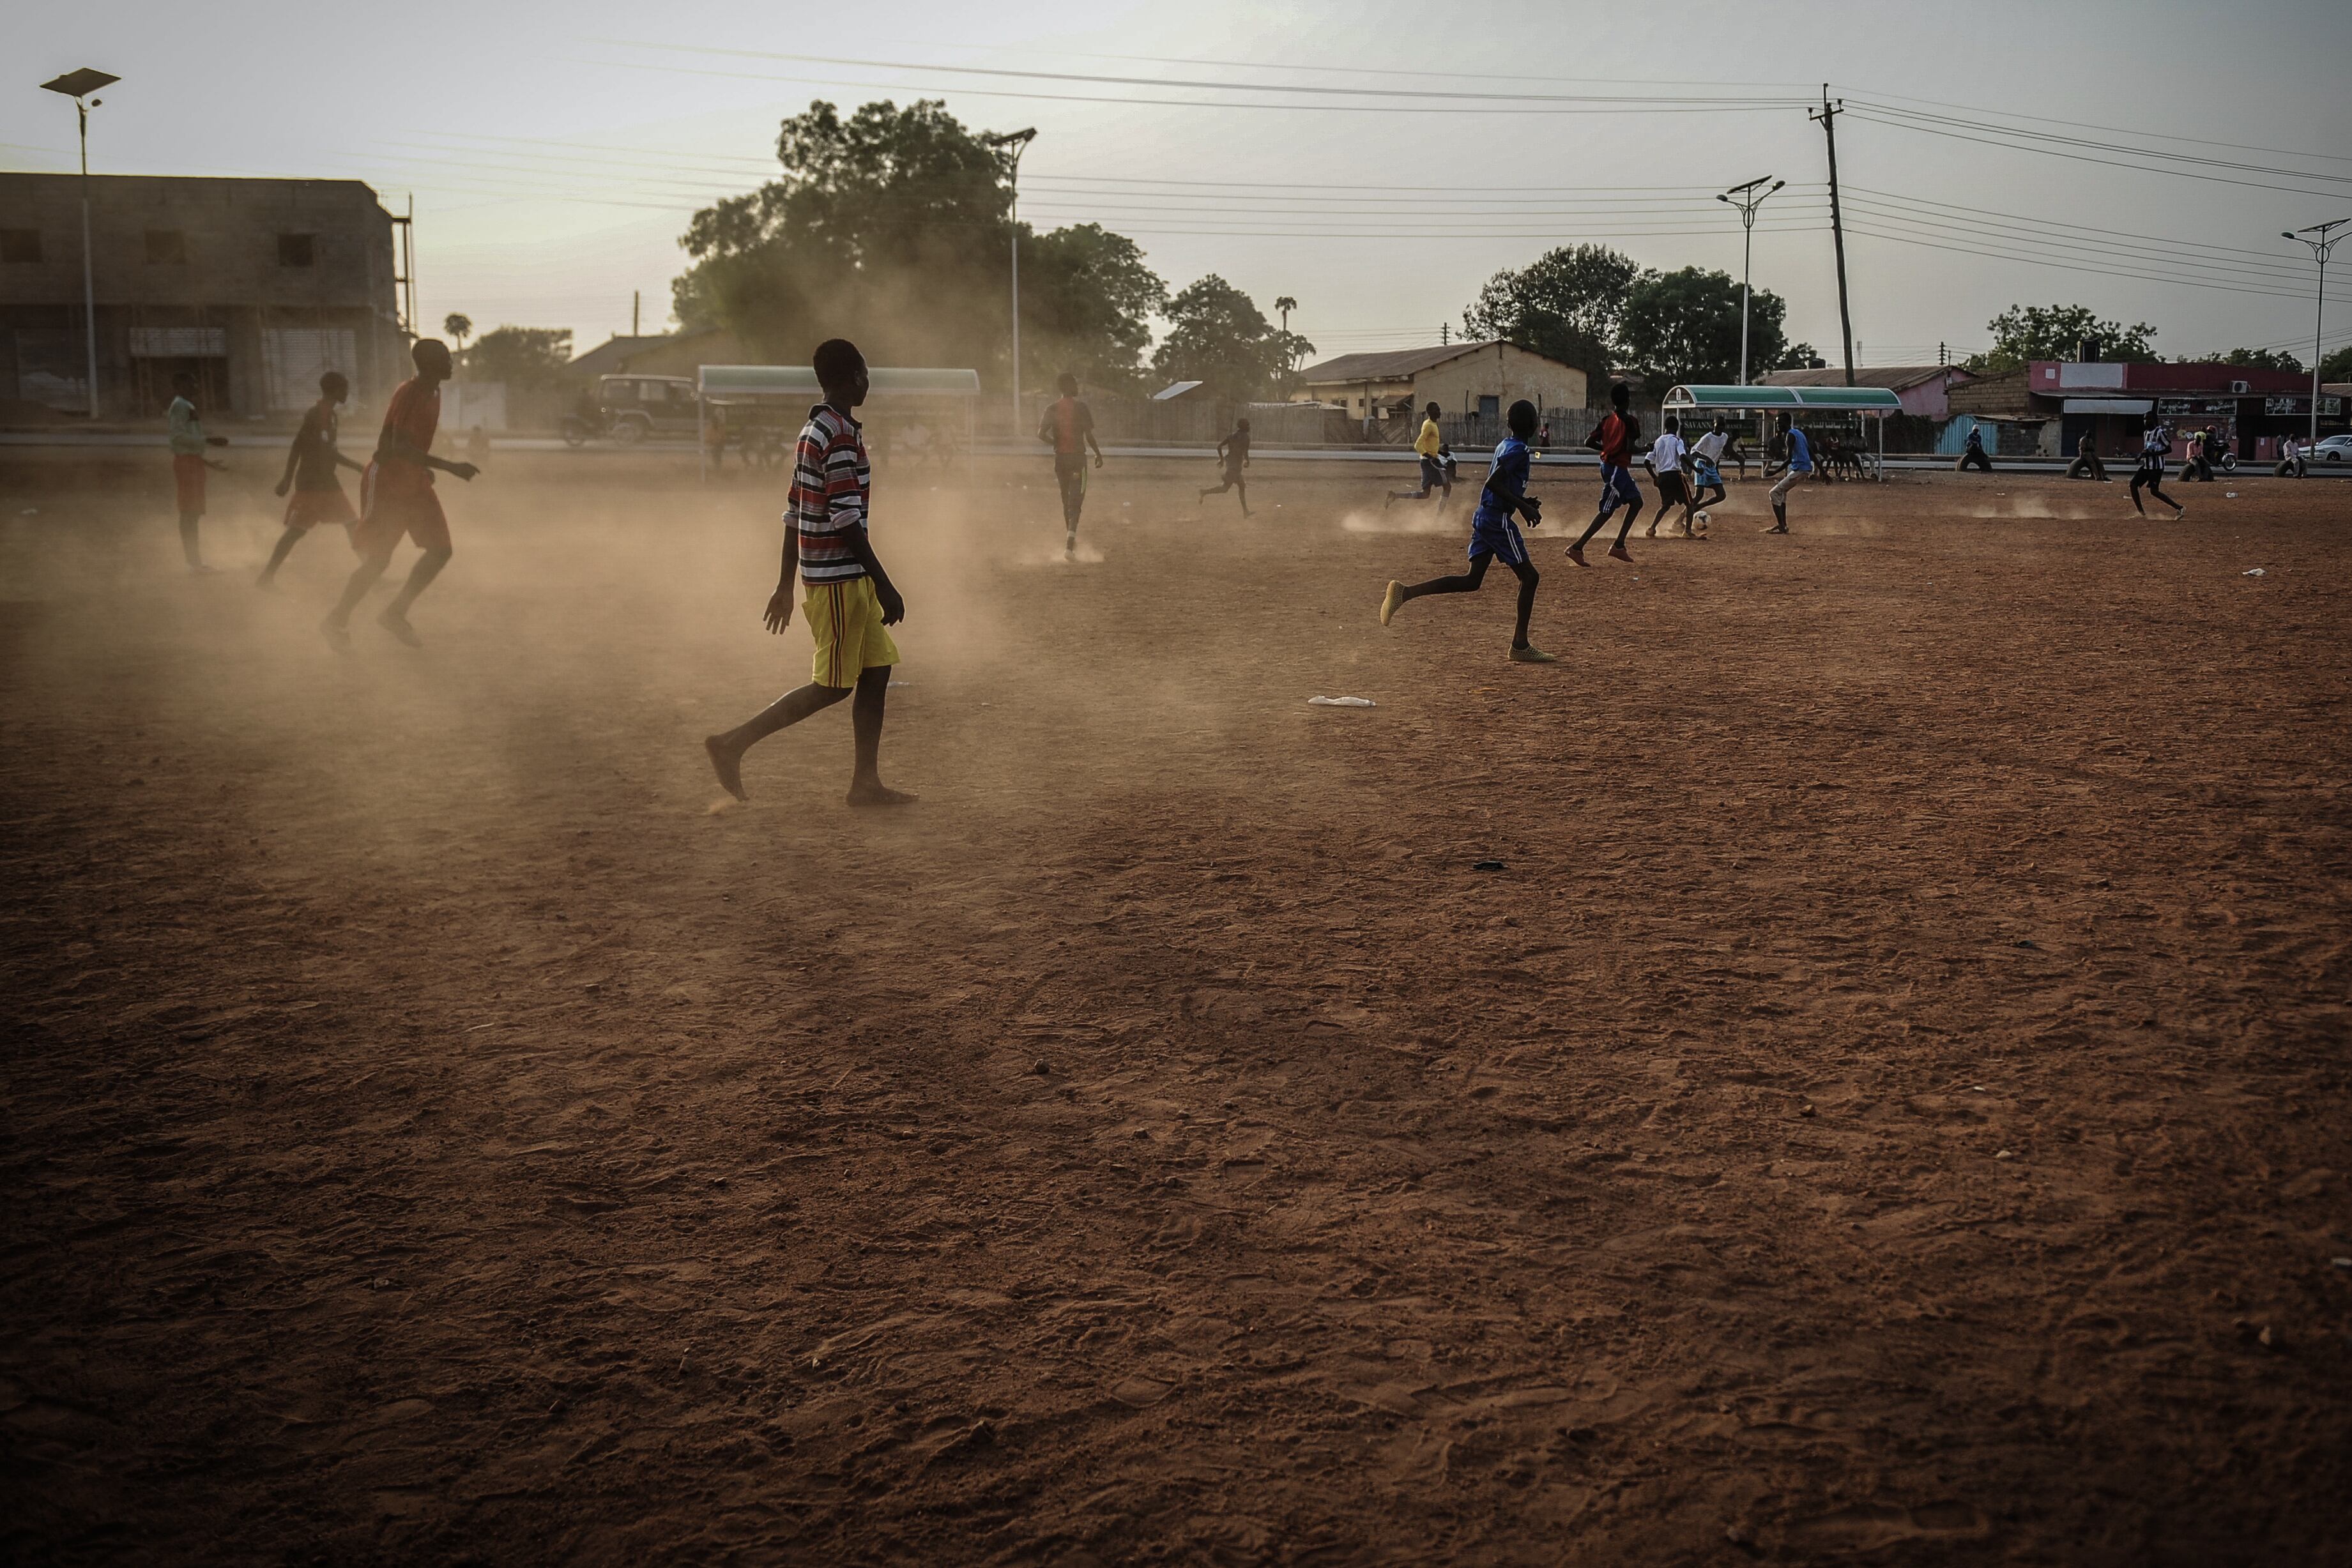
{"x":555,"y":153}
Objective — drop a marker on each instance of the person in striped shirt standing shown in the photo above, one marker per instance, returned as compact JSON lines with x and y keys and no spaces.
{"x":850,"y":600}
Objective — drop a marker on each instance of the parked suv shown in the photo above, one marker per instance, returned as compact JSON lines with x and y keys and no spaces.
{"x":630,"y":408}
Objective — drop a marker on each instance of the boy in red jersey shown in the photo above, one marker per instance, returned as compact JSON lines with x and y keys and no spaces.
{"x":397,"y":497}
{"x":1069,"y":424}
{"x":310,"y":465}
{"x":1616,"y":438}
{"x":850,"y":597}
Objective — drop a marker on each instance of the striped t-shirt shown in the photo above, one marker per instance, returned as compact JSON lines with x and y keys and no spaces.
{"x":830,"y":480}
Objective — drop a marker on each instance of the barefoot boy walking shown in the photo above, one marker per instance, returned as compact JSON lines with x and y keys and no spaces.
{"x":1492,"y":532}
{"x":189,"y":462}
{"x":850,"y":599}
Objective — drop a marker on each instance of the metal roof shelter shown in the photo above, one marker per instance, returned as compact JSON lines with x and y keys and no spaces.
{"x":1876,"y":403}
{"x":798,"y":383}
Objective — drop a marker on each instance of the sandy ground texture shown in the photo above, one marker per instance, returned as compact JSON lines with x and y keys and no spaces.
{"x":1884,"y":1101}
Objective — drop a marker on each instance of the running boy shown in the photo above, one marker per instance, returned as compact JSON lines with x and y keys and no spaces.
{"x":1233,"y":452}
{"x":1707,"y":470}
{"x":1799,"y":464}
{"x":188,"y":464}
{"x":2149,"y":473}
{"x":1614,"y":438}
{"x":310,"y":465}
{"x":1431,"y":446}
{"x":396,"y":499}
{"x":1666,"y":461}
{"x":1493,"y":533}
{"x":850,"y":599}
{"x":1069,"y":424}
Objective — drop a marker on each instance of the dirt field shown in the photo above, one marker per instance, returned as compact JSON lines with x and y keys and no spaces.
{"x":1889,"y":1105}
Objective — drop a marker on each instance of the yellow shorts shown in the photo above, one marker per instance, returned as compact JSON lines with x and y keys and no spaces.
{"x":846,"y":620}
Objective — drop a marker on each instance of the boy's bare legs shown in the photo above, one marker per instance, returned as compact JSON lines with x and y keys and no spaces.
{"x":188,"y":543}
{"x":286,"y":543}
{"x":337,"y":625}
{"x":394,"y":618}
{"x":865,"y":789}
{"x":727,"y":750}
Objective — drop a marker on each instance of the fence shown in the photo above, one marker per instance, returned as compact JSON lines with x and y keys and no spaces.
{"x":1199,"y":422}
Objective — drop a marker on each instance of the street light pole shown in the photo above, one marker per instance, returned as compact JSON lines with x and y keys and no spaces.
{"x":78,"y":85}
{"x":2322,"y":240}
{"x":1016,"y":142}
{"x":1746,"y":198}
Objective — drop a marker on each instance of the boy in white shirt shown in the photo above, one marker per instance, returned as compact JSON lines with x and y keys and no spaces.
{"x":1707,"y":470}
{"x":1666,"y":461}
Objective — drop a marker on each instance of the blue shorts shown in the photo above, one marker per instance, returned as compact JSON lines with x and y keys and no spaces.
{"x":1617,"y":487}
{"x":1706,"y":474}
{"x":1497,"y":536}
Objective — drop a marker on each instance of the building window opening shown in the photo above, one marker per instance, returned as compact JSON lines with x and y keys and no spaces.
{"x":20,"y":245}
{"x":167,"y":247}
{"x":295,"y":250}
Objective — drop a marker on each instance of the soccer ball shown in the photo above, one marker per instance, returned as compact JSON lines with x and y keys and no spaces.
{"x":1698,"y":523}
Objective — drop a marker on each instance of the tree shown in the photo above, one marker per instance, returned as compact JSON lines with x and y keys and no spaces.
{"x":1283,"y":306}
{"x":1683,"y":326}
{"x":1798,"y":357}
{"x":2024,"y":332}
{"x":893,"y":227}
{"x":1087,"y":299}
{"x":459,"y":327}
{"x":521,"y":356}
{"x":1567,"y":303}
{"x":1216,"y":334}
{"x":2337,"y":366}
{"x":2261,"y":358}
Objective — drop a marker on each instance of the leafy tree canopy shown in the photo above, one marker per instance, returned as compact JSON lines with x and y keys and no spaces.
{"x":2260,"y":359}
{"x":521,"y":356}
{"x":1567,"y":303}
{"x":2024,"y":332}
{"x":1216,"y":334}
{"x":892,"y":227}
{"x":2338,"y":365}
{"x":1683,"y":326}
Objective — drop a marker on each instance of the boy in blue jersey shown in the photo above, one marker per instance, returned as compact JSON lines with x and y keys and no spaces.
{"x":1800,"y":466}
{"x":1492,"y":532}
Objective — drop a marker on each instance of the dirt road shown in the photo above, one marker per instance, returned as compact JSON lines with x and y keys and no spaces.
{"x":1888,"y":1102}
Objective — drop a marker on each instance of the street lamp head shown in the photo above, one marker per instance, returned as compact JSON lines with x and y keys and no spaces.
{"x":1010,"y":138}
{"x":80,"y":83}
{"x":1776,"y":186}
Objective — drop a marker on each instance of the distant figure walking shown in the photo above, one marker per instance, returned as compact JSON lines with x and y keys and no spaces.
{"x":1973,"y":454}
{"x":1233,"y":452}
{"x":188,"y":442}
{"x":1069,"y":427}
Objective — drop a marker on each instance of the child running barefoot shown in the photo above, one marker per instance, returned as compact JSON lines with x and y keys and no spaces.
{"x":1233,"y":452}
{"x":1493,"y":533}
{"x":1616,"y":436}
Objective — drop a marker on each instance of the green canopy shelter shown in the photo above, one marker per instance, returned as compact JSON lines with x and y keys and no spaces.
{"x":796,"y":385}
{"x":1875,"y":402}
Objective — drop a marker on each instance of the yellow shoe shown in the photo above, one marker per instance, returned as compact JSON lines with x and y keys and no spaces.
{"x":1531,"y":654}
{"x":1392,"y":601}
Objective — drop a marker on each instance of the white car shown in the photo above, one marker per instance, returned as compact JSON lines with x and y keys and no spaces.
{"x":2335,"y":449}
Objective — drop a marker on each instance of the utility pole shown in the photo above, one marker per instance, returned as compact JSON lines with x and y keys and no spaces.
{"x":2321,"y":239}
{"x":1827,"y":115}
{"x":1013,"y":143}
{"x":636,"y":298}
{"x":78,"y":85}
{"x":1746,"y":198}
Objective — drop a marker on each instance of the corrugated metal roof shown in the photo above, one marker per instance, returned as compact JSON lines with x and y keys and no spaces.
{"x":1896,"y":378}
{"x":1394,"y":364}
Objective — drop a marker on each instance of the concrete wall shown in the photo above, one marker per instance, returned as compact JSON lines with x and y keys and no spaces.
{"x":191,"y":274}
{"x":1505,"y":373}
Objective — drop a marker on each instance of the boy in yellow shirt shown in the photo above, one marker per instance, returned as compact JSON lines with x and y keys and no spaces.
{"x":1431,"y":446}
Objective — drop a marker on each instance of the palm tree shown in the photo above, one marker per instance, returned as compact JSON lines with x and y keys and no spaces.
{"x":1285,"y":305}
{"x":458,"y":326}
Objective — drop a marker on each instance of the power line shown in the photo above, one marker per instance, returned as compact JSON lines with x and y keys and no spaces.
{"x":2106,"y":146}
{"x":1861,"y":113}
